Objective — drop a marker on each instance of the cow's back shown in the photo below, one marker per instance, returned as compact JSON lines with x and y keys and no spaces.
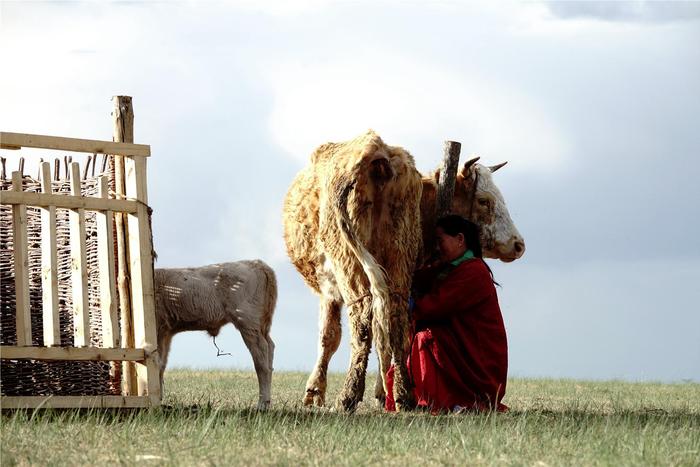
{"x":300,"y":215}
{"x":384,"y":200}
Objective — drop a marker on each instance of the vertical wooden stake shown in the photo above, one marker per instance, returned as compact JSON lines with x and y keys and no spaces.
{"x":49,"y":265}
{"x":23,"y":317}
{"x":108,"y":295}
{"x":448,"y":175}
{"x":141,"y":268}
{"x":123,"y":118}
{"x":78,"y":259}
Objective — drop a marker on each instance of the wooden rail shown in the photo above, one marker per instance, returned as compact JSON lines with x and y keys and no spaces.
{"x":67,"y":202}
{"x":24,"y":140}
{"x":13,"y":352}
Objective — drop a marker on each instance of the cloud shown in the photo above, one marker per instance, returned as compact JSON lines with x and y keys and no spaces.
{"x":408,"y":102}
{"x":278,"y":7}
{"x":626,"y":11}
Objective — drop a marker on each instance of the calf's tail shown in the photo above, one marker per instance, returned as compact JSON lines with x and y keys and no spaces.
{"x":270,"y":299}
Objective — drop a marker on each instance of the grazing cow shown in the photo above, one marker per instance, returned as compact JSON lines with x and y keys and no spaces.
{"x":206,"y":298}
{"x":355,"y":222}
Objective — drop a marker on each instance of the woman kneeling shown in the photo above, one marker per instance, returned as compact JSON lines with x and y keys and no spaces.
{"x":459,"y":352}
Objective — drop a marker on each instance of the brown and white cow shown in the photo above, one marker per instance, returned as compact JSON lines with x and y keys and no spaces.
{"x":353,"y":230}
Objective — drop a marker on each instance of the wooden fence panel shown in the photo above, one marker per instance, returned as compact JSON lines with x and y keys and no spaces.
{"x":143,"y":348}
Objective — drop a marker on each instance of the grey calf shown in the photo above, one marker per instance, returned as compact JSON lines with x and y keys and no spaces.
{"x":206,"y":298}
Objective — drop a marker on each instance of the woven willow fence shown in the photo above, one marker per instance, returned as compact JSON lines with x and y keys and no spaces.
{"x":68,"y":338}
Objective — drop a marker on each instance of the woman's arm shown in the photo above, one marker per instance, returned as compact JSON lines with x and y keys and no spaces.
{"x":423,"y":279}
{"x":463,"y":288}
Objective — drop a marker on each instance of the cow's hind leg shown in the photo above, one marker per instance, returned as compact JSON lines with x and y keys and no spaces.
{"x":381,"y":342}
{"x":328,"y":342}
{"x":400,"y":341}
{"x":360,"y":315}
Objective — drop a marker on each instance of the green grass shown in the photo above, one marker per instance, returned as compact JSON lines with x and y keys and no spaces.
{"x":208,"y":419}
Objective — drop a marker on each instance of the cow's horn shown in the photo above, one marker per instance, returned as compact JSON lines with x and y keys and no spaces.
{"x":467,"y":165}
{"x":493,"y":168}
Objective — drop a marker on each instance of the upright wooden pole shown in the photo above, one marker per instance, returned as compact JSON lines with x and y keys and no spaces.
{"x":105,"y":253}
{"x":78,"y":259}
{"x":141,"y":269}
{"x":448,"y":175}
{"x":23,"y":318}
{"x":123,"y":118}
{"x":49,"y":265}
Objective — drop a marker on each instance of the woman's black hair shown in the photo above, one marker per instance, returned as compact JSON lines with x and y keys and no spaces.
{"x":453,"y":225}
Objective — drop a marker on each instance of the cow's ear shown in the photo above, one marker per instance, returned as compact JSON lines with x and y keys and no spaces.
{"x":467,"y":166}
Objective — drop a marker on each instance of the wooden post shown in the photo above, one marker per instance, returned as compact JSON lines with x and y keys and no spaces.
{"x":49,"y":265}
{"x":448,"y":175}
{"x":23,"y":317}
{"x":123,"y":118}
{"x":108,"y":296}
{"x":78,"y":259}
{"x":141,"y":268}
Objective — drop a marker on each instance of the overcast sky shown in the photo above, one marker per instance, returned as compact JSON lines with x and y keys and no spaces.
{"x":596,"y":106}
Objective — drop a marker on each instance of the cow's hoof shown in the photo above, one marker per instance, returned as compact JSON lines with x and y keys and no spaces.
{"x":314,"y":397}
{"x":263,"y":405}
{"x":381,"y":401}
{"x":347,"y":404}
{"x":405,"y":404}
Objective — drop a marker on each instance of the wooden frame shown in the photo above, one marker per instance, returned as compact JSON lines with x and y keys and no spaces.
{"x":140,"y":301}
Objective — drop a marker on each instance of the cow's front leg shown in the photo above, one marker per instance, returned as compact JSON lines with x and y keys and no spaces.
{"x":328,"y":342}
{"x":360,"y":317}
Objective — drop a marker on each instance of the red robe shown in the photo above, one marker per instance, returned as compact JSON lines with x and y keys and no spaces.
{"x":459,"y":354}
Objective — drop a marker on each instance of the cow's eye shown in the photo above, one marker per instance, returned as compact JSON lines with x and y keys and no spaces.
{"x":483,"y":201}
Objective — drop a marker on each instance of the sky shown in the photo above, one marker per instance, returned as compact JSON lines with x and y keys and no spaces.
{"x":596,"y":106}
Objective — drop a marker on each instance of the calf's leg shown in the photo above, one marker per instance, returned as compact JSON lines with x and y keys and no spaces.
{"x":164,"y":340}
{"x":261,"y":351}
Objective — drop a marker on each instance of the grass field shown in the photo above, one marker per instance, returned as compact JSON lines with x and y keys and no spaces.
{"x":208,"y":420}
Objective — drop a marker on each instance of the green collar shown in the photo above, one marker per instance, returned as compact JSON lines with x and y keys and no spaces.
{"x":467,"y":255}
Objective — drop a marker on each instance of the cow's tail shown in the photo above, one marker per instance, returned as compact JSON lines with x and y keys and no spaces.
{"x":270,"y":297}
{"x":376,"y":275}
